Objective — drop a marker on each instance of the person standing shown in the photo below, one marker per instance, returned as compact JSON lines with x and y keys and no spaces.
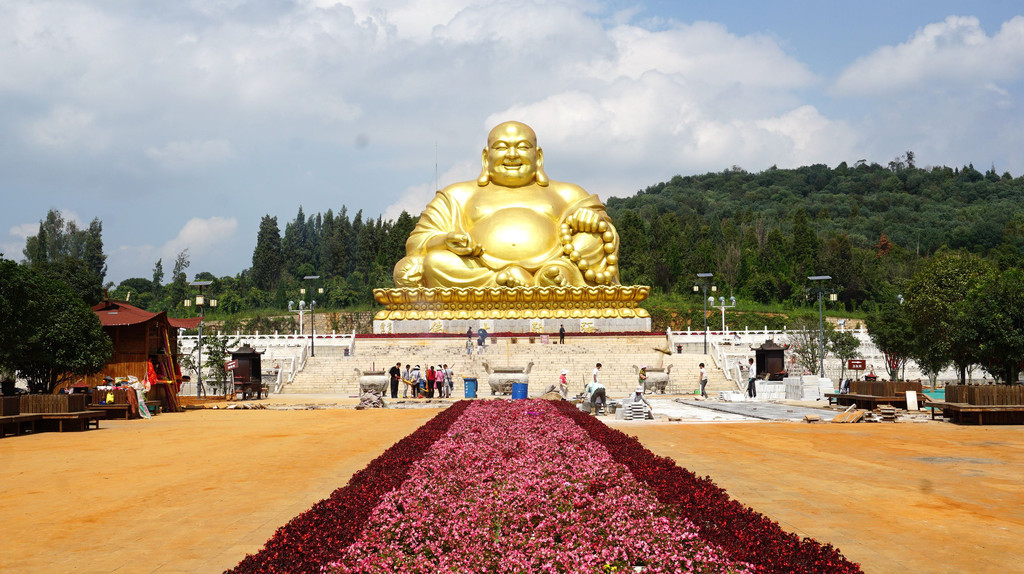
{"x":439,"y":384}
{"x":406,"y":381}
{"x":561,"y":335}
{"x":563,"y":383}
{"x":449,"y":381}
{"x":751,"y":386}
{"x":417,"y":381}
{"x":703,"y":381}
{"x":429,"y":392}
{"x":594,"y":393}
{"x":642,"y":378}
{"x":395,"y":373}
{"x":469,"y":346}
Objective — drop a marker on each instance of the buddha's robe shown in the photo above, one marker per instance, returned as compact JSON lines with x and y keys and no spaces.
{"x":519,"y":228}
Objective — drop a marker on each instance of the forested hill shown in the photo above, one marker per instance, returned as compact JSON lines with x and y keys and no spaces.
{"x":867,"y":226}
{"x":762,"y":234}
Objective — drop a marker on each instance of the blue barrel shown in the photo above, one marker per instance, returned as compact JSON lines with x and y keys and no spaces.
{"x":519,"y":390}
{"x":470,"y":387}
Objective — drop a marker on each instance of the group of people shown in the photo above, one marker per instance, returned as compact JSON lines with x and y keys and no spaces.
{"x":596,"y":394}
{"x":434,"y":381}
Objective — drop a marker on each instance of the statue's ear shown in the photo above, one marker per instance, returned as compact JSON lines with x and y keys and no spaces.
{"x":485,"y":177}
{"x":542,"y":178}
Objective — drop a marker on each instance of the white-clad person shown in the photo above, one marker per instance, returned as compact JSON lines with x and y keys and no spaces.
{"x":703,"y":381}
{"x":595,"y":391}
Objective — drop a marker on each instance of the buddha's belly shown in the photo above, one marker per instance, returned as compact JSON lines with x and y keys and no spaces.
{"x":517,"y":235}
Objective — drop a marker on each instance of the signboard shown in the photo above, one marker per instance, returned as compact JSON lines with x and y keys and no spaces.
{"x":856,"y":365}
{"x":231,"y":365}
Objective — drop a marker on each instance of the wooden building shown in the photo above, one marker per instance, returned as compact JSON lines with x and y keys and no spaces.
{"x":145,"y":347}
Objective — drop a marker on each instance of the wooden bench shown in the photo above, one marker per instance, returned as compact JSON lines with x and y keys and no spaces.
{"x":869,"y":402}
{"x":956,"y":412}
{"x":79,"y":420}
{"x":17,"y":423}
{"x":114,"y":410}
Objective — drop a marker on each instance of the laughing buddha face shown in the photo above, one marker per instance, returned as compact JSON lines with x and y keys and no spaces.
{"x":512,"y":156}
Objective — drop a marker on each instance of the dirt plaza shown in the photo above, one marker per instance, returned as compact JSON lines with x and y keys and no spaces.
{"x":196,"y":491}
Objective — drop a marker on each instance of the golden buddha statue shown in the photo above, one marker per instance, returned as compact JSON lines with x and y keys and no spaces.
{"x":512,"y":227}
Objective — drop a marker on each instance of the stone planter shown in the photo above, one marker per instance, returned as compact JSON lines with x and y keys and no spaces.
{"x":501,"y":379}
{"x":657,"y":378}
{"x":375,"y":380}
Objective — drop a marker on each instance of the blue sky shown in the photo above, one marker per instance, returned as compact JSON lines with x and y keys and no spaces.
{"x":181,"y":124}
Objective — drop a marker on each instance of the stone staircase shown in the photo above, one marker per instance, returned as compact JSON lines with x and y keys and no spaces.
{"x":330,"y":371}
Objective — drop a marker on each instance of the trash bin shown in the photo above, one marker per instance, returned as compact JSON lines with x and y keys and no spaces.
{"x":470,"y":383}
{"x":520,"y":390}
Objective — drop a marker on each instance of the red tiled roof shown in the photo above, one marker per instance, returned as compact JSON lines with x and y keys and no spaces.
{"x":113,"y":313}
{"x":184,"y":323}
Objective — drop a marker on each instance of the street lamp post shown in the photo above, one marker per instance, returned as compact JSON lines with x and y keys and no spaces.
{"x":821,"y":322}
{"x":704,"y":280}
{"x":312,"y":320}
{"x":722,"y":306}
{"x":202,"y":303}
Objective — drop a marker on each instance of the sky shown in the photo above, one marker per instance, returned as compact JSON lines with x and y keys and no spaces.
{"x":181,"y":124}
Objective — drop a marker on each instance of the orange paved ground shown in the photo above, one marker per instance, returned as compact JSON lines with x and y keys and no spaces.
{"x":196,"y":491}
{"x":184,"y":492}
{"x":905,"y":497}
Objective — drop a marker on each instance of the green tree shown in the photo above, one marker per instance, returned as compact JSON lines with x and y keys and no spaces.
{"x":216,"y":350}
{"x":267,"y":259}
{"x":994,"y":316}
{"x":50,"y":335}
{"x":891,"y":331}
{"x":158,"y":274}
{"x":634,"y":250}
{"x":844,"y":345}
{"x":805,"y":337}
{"x":934,"y":302}
{"x":92,"y":249}
{"x":74,"y":256}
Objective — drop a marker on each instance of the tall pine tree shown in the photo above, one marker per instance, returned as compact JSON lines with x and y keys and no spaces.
{"x":267,"y":259}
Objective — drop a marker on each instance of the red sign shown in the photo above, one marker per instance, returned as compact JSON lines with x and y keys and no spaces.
{"x":231,"y":365}
{"x":856,"y":365}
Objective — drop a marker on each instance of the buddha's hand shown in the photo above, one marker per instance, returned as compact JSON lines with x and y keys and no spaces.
{"x":462,"y":244}
{"x":586,"y":220}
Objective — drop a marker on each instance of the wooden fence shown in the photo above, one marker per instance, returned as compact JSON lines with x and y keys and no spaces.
{"x":52,"y":403}
{"x":884,"y":388}
{"x":985,"y":394}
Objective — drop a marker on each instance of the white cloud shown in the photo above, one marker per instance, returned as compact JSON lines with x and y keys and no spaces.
{"x":702,"y":53}
{"x":200,"y":236}
{"x":415,"y":198}
{"x":194,"y":153}
{"x":206,"y":241}
{"x":67,"y":128}
{"x":262,"y":106}
{"x":25,"y":230}
{"x":954,"y":53}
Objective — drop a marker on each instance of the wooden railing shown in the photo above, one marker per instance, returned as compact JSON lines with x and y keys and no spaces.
{"x":884,"y":388}
{"x":985,"y":394}
{"x":52,"y":403}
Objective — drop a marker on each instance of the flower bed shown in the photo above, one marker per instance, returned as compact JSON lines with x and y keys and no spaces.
{"x":747,"y":535}
{"x":532,"y":486}
{"x":515,"y":487}
{"x":321,"y":534}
